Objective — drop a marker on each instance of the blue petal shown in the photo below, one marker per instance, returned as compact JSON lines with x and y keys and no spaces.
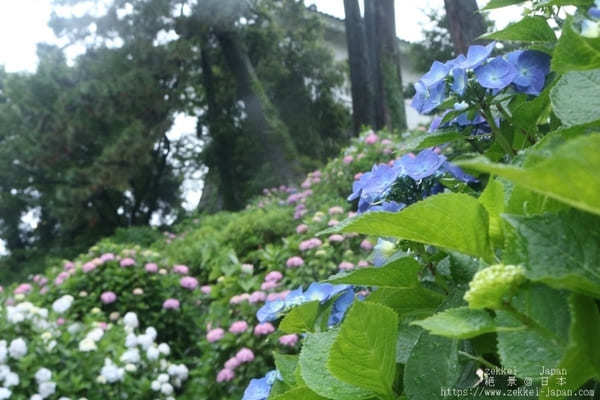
{"x":295,"y":298}
{"x":532,"y":68}
{"x":497,"y":74}
{"x":594,"y":12}
{"x":318,"y":291}
{"x":460,"y":81}
{"x":340,"y":306}
{"x":424,"y":164}
{"x":270,"y":311}
{"x":476,"y":55}
{"x":436,"y":74}
{"x":428,"y":98}
{"x":388,"y":206}
{"x":458,"y":173}
{"x":258,"y":389}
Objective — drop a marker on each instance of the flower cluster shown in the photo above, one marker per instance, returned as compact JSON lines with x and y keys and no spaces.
{"x":409,"y":179}
{"x":259,"y":389}
{"x":590,"y":27}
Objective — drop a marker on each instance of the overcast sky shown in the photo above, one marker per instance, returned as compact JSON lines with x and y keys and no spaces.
{"x":23,"y":23}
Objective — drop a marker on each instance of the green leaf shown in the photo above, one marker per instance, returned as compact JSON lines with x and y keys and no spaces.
{"x":559,"y":250}
{"x":575,"y":52}
{"x":543,"y":342}
{"x":458,"y":323}
{"x":417,"y":302}
{"x":364,"y":352}
{"x":575,"y":97}
{"x":492,"y":199}
{"x":453,"y":221}
{"x":298,"y":393}
{"x":408,"y":335}
{"x":301,"y":318}
{"x":529,"y":29}
{"x":313,"y":360}
{"x":436,"y":138}
{"x":501,"y":3}
{"x":582,"y":357}
{"x":569,"y":175}
{"x":401,"y":274}
{"x":286,"y":365}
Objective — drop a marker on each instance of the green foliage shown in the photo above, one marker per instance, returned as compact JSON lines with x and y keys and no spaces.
{"x":574,"y":98}
{"x":529,"y":29}
{"x":575,"y":52}
{"x":459,"y":323}
{"x":399,"y":274}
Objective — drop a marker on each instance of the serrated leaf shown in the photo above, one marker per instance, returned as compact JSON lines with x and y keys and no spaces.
{"x":575,"y":97}
{"x":575,"y":52}
{"x":301,"y":318}
{"x":364,"y":352}
{"x":560,"y":250}
{"x":458,"y":323}
{"x":569,"y":175}
{"x":286,"y":364}
{"x":492,"y":199}
{"x":453,"y":221}
{"x":582,"y":358}
{"x":438,"y":138}
{"x":544,"y":341}
{"x":401,"y":274}
{"x":417,"y":302}
{"x":298,"y":393}
{"x":313,"y":361}
{"x":529,"y":29}
{"x":492,"y":4}
{"x":408,"y":335}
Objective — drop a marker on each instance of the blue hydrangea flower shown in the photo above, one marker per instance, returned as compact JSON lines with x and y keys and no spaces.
{"x":428,"y":99}
{"x":259,"y":389}
{"x":458,"y":173}
{"x":323,"y":291}
{"x":496,"y":74}
{"x":270,"y":311}
{"x":594,"y":12}
{"x":437,"y":73}
{"x":372,"y":186}
{"x":476,"y":55}
{"x":388,"y":206}
{"x":340,"y":306}
{"x":532,"y":67}
{"x":421,"y":166}
{"x":294,"y":298}
{"x":459,"y":82}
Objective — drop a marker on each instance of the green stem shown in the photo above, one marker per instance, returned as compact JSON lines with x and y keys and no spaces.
{"x":508,"y":118}
{"x":478,"y":359}
{"x":502,"y":141}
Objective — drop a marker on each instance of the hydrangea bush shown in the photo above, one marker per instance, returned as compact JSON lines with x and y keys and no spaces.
{"x":485,"y":281}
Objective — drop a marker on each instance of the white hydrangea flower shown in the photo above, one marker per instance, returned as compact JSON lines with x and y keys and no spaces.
{"x":131,"y":356}
{"x":178,"y":370}
{"x":145,"y":341}
{"x":131,"y":320}
{"x":3,"y":353}
{"x":11,"y":379}
{"x":152,"y":353}
{"x":95,"y":334}
{"x":43,"y":375}
{"x":47,"y":389}
{"x":166,"y":389}
{"x":155,"y":385}
{"x":87,"y":344}
{"x":131,"y":340}
{"x":130,"y":368}
{"x":151,"y":331}
{"x":163,"y":378}
{"x":74,"y":328}
{"x":4,"y":393}
{"x":112,"y":373}
{"x":63,"y":304}
{"x":51,"y":345}
{"x":4,"y":370}
{"x":14,"y":316}
{"x":164,"y":349}
{"x":36,"y":397}
{"x":17,"y":348}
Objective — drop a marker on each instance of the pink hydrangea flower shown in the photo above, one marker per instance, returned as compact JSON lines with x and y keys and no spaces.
{"x":302,"y":228}
{"x":336,"y":238}
{"x":232,"y":363}
{"x":245,"y":355}
{"x":206,"y":289}
{"x":294,"y":262}
{"x":225,"y":375}
{"x":386,"y":142}
{"x":107,"y":257}
{"x":363,"y":264}
{"x":310,"y":244}
{"x":108,"y":297}
{"x":358,"y":176}
{"x":273,"y":276}
{"x":238,"y":327}
{"x":1,"y":289}
{"x":371,"y":138}
{"x":60,"y":321}
{"x":151,"y":267}
{"x":181,"y":269}
{"x":269,"y":285}
{"x":68,"y":265}
{"x":257,"y":297}
{"x":60,"y":278}
{"x":127,"y":262}
{"x":336,"y":210}
{"x":348,"y":159}
{"x":345,"y":266}
{"x":237,"y":299}
{"x":88,"y":267}
{"x":387,"y":150}
{"x":289,"y":340}
{"x":263,"y":329}
{"x":188,"y":282}
{"x":366,"y":245}
{"x":215,"y":334}
{"x":333,"y":222}
{"x":171,"y":304}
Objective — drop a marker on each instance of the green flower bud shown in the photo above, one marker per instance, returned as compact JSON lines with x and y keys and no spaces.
{"x":490,"y":285}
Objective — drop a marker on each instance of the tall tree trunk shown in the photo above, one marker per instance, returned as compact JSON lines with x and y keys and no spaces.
{"x":363,"y":110}
{"x":464,"y":22}
{"x":279,"y":156}
{"x":385,"y":64}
